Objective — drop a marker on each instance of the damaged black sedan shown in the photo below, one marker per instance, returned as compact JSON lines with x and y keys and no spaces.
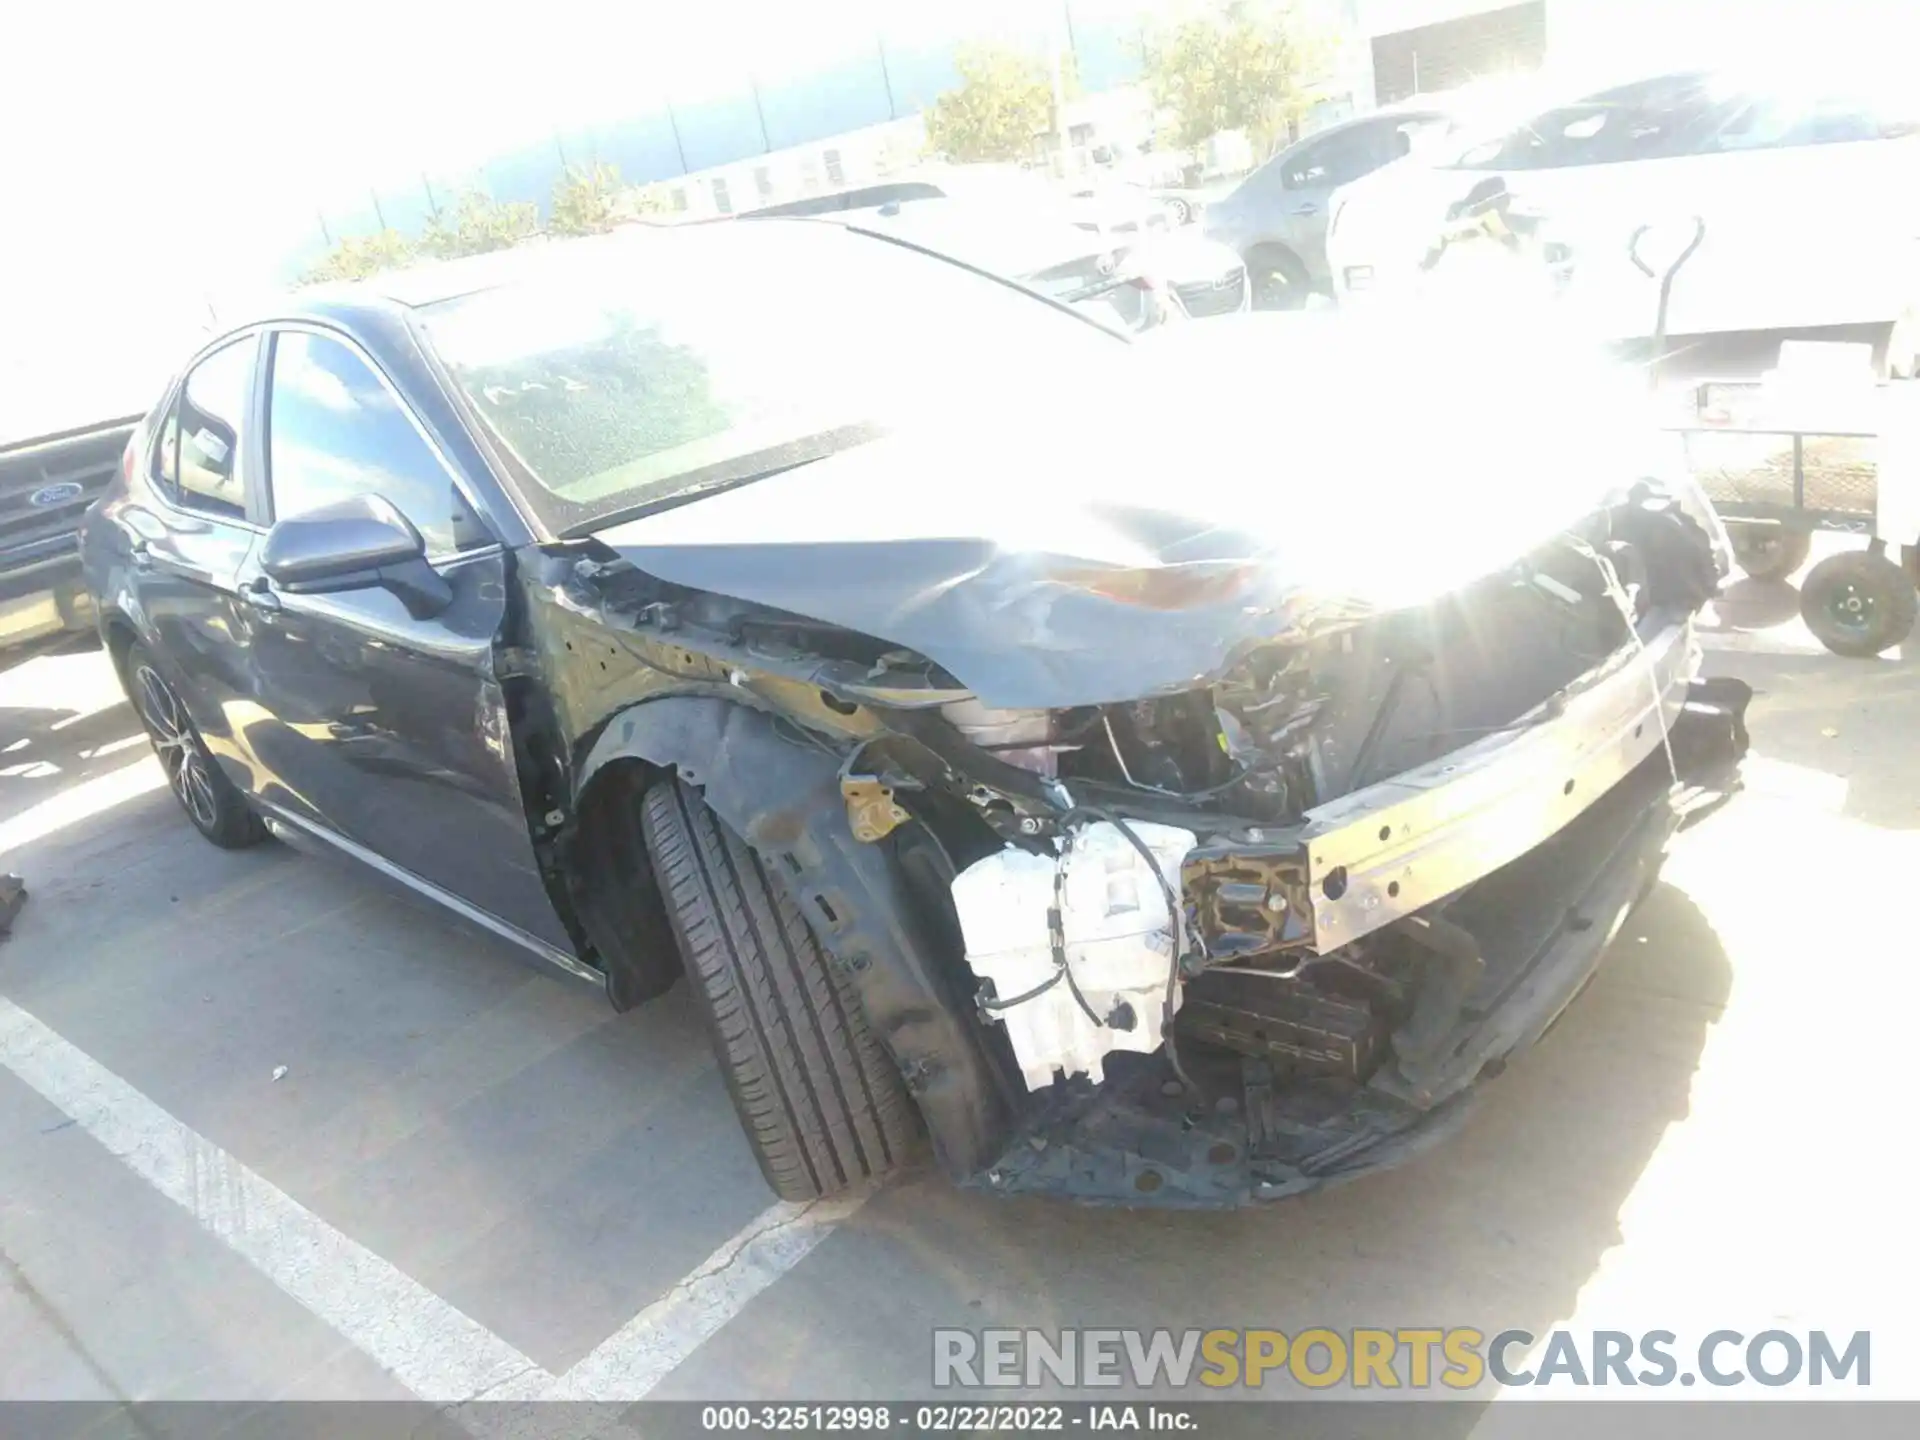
{"x":1151,"y":773}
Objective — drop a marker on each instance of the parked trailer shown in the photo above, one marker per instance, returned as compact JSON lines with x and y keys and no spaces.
{"x":1793,"y":454}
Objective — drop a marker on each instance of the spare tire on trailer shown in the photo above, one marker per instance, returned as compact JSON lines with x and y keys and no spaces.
{"x":818,"y":1095}
{"x":1859,"y":603}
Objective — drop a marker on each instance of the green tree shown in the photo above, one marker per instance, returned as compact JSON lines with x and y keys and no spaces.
{"x":357,"y":257}
{"x":1004,"y":100}
{"x":1233,"y":65}
{"x":646,"y":200}
{"x":587,"y":200}
{"x":476,"y":224}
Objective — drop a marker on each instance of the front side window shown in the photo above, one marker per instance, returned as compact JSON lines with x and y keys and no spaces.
{"x":334,"y":431}
{"x":209,"y":475}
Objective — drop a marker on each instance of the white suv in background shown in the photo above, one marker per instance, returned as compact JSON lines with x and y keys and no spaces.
{"x":1810,"y":194}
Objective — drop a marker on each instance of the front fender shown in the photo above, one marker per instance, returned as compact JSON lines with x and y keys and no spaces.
{"x":782,"y":796}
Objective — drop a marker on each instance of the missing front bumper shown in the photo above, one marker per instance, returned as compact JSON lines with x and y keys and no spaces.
{"x":1542,"y":922}
{"x":1392,"y":849}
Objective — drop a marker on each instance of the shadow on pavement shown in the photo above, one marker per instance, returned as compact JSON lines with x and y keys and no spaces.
{"x":44,"y":752}
{"x":1855,"y":720}
{"x":1757,"y":604}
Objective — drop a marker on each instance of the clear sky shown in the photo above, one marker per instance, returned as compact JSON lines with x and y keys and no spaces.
{"x":153,"y":152}
{"x":160,"y":152}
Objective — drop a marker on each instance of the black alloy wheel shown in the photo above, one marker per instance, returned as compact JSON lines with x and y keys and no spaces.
{"x":212,"y":803}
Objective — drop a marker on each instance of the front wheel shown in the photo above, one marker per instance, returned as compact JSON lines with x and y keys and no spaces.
{"x":1858,"y":603}
{"x":211,"y":801}
{"x":819,"y":1098}
{"x":1770,"y":552}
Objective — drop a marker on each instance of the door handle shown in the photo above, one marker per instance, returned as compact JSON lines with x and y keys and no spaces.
{"x":259,"y":593}
{"x":137,"y":552}
{"x":1307,"y":209}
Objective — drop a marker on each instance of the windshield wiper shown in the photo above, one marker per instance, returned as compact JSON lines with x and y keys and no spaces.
{"x":732,"y":473}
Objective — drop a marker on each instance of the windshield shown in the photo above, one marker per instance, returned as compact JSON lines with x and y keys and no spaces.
{"x":673,"y":361}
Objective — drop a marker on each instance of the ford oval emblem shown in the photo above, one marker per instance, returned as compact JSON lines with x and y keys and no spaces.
{"x":62,"y":494}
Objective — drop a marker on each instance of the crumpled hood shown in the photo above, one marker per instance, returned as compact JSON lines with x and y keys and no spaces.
{"x":1138,"y":529}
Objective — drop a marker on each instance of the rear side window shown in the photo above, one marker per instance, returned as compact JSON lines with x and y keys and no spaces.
{"x":334,"y":431}
{"x":166,"y":450}
{"x":1339,"y":159}
{"x":206,"y":446}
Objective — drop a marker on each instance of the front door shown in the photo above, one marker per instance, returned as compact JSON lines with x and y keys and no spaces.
{"x":388,"y":727}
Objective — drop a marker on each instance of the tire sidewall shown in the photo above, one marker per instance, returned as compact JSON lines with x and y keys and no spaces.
{"x":1890,"y":589}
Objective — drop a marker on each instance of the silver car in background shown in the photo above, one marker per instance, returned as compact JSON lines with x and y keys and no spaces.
{"x":1276,"y":218}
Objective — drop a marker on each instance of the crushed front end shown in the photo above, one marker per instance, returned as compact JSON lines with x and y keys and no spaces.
{"x":1395,"y":851}
{"x":1260,"y":928}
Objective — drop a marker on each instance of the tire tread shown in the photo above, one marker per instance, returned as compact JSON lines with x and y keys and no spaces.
{"x":817,"y":1094}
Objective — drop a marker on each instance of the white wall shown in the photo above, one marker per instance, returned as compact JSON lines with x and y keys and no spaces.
{"x":1384,"y":17}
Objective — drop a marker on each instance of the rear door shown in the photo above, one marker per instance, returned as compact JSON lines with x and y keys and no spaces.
{"x":386,"y":727}
{"x":1310,"y":175}
{"x":189,"y":546}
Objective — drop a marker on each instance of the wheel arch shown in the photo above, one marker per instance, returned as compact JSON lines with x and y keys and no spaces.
{"x":1280,"y":255}
{"x":119,"y":634}
{"x":783,"y":798}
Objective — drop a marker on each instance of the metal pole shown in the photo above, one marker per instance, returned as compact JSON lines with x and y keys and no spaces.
{"x":766,"y":141}
{"x":678,"y":145}
{"x":886,"y":78}
{"x":1057,"y":75}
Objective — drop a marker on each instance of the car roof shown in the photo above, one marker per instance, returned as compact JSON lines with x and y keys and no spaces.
{"x":432,"y":281}
{"x":390,"y":293}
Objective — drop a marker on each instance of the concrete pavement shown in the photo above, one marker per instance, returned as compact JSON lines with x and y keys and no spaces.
{"x":1701,"y":1142}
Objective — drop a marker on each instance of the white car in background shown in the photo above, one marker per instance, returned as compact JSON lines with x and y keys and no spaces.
{"x":1809,"y":193}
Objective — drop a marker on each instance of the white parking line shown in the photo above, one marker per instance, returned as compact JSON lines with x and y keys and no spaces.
{"x":644,"y":1351}
{"x":434,"y":1349}
{"x":426,"y":1344}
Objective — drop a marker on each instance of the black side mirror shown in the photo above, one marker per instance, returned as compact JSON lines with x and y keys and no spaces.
{"x":354,"y":544}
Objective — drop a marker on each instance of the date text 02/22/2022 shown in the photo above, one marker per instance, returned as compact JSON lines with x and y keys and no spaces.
{"x":873,"y":1419}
